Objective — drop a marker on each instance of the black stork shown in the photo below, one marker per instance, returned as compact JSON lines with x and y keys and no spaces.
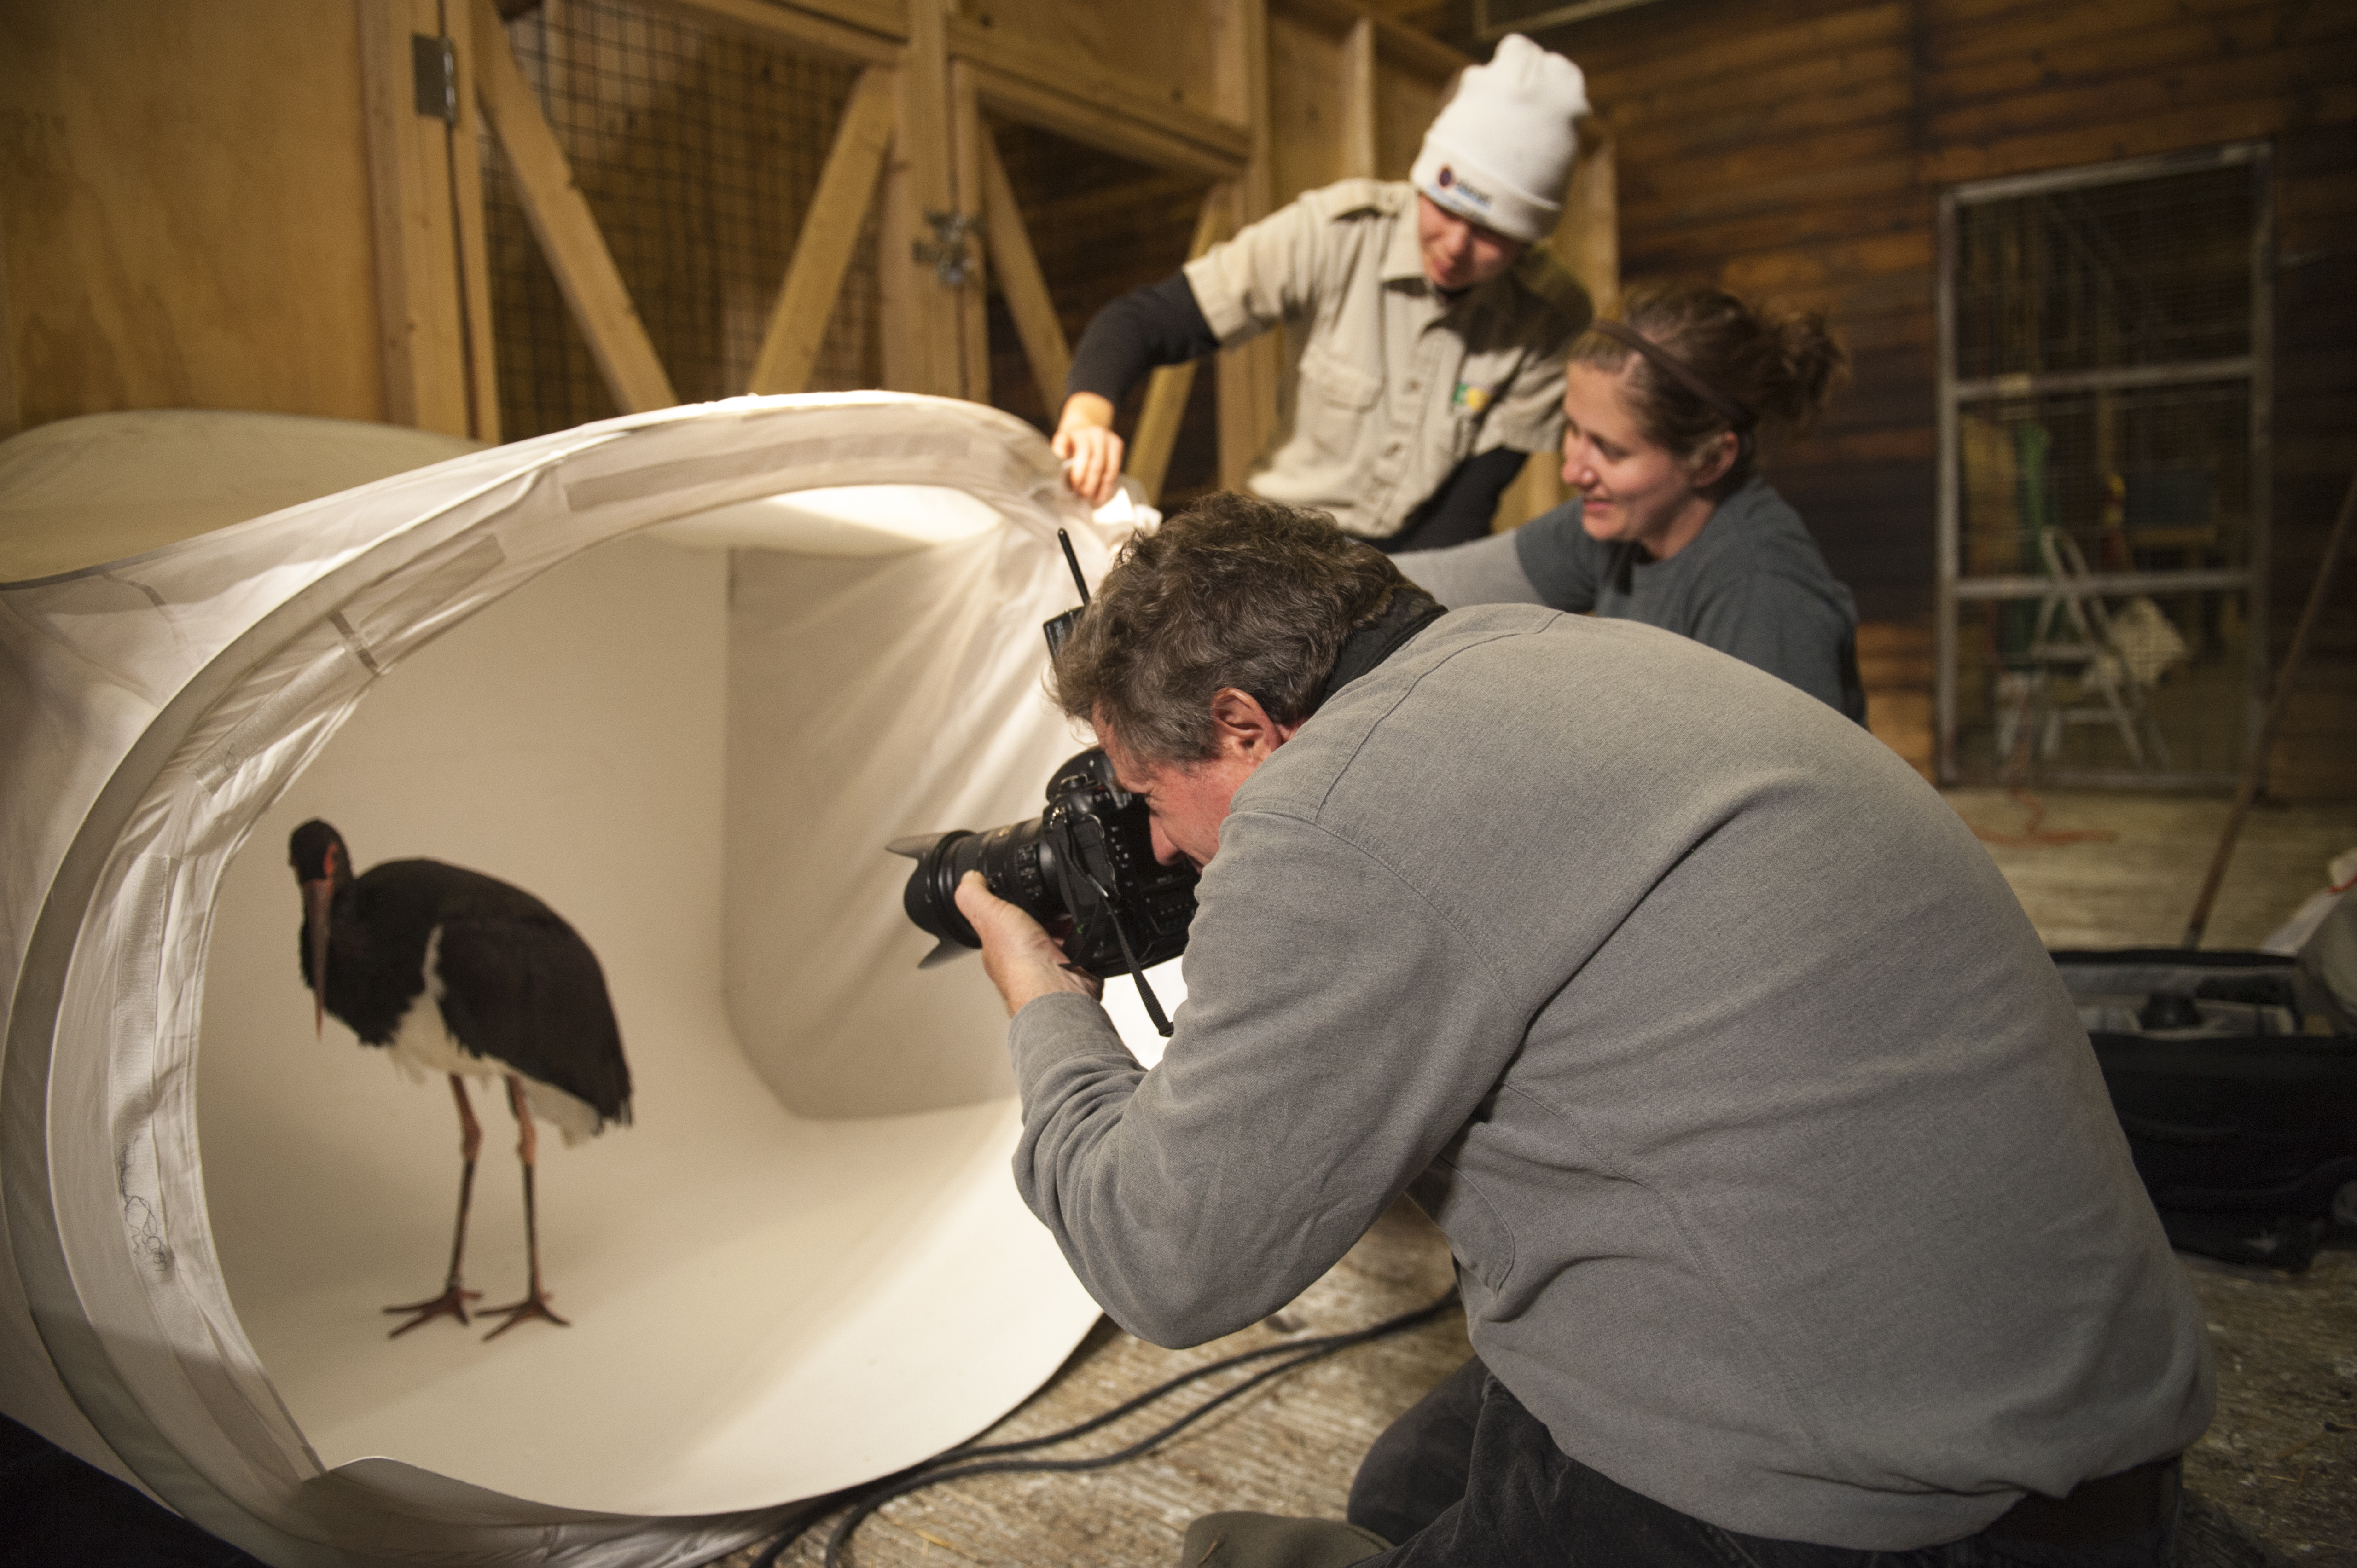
{"x":515,"y":994}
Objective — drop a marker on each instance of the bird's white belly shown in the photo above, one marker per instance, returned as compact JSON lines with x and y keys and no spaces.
{"x":423,"y":1049}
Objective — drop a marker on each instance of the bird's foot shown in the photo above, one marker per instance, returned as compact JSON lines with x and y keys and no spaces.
{"x":515,"y":1312}
{"x":451,"y":1303}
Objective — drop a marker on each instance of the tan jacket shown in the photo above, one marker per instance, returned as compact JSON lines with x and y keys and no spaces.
{"x":1398,"y":384}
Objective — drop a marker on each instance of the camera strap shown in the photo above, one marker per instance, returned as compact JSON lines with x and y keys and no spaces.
{"x":1411,"y":609}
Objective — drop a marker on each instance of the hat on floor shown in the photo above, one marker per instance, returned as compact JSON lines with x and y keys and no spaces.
{"x":1499,"y":155}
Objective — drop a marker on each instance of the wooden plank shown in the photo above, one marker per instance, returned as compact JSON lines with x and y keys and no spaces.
{"x":1777,"y":272}
{"x":480,"y":343}
{"x":1138,"y":109}
{"x":2166,"y":45}
{"x":1307,"y":109}
{"x":1406,"y":101}
{"x":562,"y":223}
{"x":409,"y":192}
{"x":829,"y":237}
{"x":1787,"y":86}
{"x":1142,"y":60}
{"x":1085,"y":119}
{"x":1167,"y":392}
{"x":1586,"y":239}
{"x":2287,"y":74}
{"x":969,"y":138}
{"x":2169,"y":131}
{"x":1248,"y":373}
{"x":11,"y":407}
{"x":1357,"y":70}
{"x":1410,"y":47}
{"x":1698,"y":61}
{"x":1724,"y":127}
{"x":1956,"y":36}
{"x":867,"y":35}
{"x":190,"y":208}
{"x":1022,"y":283}
{"x":923,"y":345}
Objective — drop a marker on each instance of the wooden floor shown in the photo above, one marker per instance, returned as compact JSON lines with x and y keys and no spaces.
{"x":2279,"y":1464}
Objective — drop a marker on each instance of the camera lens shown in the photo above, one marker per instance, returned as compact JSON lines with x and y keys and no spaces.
{"x":1010,"y":860}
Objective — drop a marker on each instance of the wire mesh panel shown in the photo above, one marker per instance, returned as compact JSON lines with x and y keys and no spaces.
{"x":697,"y":151}
{"x":2103,"y":410}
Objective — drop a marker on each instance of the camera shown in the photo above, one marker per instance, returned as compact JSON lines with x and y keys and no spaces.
{"x":1087,"y":858}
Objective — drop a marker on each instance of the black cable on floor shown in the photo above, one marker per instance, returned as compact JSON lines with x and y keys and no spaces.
{"x":1298,"y":1353}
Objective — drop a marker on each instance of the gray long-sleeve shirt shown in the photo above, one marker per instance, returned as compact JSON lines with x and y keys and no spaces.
{"x":1752,"y":584}
{"x":1780,"y":1177}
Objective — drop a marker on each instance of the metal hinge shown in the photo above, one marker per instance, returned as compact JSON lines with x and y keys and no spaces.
{"x":946,"y":253}
{"x":435,"y":63}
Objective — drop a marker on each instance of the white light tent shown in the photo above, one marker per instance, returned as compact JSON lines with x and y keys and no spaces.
{"x":682,"y":676}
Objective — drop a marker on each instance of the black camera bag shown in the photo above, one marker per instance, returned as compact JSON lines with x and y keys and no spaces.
{"x":2241,"y":1116}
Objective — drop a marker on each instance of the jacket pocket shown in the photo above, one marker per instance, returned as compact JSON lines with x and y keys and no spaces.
{"x":1335,"y":398}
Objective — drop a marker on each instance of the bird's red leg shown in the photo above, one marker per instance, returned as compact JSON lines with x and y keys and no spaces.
{"x":535,"y":1302}
{"x":452,"y":1302}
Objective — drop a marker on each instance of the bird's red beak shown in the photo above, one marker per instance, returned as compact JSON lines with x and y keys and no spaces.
{"x":316,"y":896}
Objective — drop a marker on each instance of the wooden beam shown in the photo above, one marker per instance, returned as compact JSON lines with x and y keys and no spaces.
{"x":479,"y":344}
{"x":1077,"y":99}
{"x":12,"y":402}
{"x":829,"y":234}
{"x":1357,"y":70}
{"x":921,"y":334}
{"x":418,"y":299}
{"x":969,"y":138}
{"x":1020,"y":280}
{"x":865,"y":35}
{"x":567,"y":232}
{"x":1167,"y":392}
{"x":1399,"y":42}
{"x":1587,"y":237}
{"x":1248,"y":372}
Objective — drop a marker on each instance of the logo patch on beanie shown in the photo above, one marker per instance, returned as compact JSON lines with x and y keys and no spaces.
{"x":1449,"y":181}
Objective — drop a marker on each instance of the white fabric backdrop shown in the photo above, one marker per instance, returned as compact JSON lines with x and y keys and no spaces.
{"x":805,"y":1265}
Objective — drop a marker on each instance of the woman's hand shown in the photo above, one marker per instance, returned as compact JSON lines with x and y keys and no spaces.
{"x":1092,"y":452}
{"x":1021,"y":958}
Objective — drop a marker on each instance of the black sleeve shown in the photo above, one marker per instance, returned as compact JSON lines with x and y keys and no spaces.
{"x":1463,"y":505}
{"x":1158,"y":324}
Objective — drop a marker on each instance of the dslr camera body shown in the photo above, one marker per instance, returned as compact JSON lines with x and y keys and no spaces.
{"x":1088,"y":859}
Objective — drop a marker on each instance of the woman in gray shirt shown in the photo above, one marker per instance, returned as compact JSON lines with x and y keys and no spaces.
{"x":1672,"y":526}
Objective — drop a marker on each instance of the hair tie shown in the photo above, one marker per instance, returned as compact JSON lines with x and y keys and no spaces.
{"x":1734,"y":413}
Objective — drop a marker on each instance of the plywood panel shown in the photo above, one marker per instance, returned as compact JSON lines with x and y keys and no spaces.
{"x":1407,"y":96}
{"x":1166,"y":52}
{"x":1304,"y":104}
{"x":187,"y":208}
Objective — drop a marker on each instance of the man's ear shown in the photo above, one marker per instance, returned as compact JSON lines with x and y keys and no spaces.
{"x":1241,"y":728}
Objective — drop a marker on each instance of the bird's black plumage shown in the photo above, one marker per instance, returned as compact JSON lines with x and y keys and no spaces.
{"x":518,"y":985}
{"x":461,"y":973}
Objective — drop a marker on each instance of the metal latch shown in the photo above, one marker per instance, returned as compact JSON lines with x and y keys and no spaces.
{"x":436,"y":64}
{"x":946,"y":252}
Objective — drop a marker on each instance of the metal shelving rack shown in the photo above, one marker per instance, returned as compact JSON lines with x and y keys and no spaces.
{"x":2078,"y":219}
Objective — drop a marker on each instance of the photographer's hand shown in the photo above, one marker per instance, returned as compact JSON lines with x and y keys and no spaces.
{"x":1017,"y":955}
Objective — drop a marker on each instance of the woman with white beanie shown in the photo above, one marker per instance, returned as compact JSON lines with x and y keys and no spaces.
{"x":1435,"y":327}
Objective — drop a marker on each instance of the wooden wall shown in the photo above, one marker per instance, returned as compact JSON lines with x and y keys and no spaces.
{"x":1797,"y":149}
{"x":135,"y":136}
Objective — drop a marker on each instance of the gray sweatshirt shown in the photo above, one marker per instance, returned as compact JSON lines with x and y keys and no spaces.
{"x":1752,"y":584}
{"x":1781,"y":1181}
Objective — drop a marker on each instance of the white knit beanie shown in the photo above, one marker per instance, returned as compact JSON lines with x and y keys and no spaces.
{"x":1499,"y":155}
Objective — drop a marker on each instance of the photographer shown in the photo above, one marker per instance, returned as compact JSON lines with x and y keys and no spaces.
{"x":1790,"y":1217}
